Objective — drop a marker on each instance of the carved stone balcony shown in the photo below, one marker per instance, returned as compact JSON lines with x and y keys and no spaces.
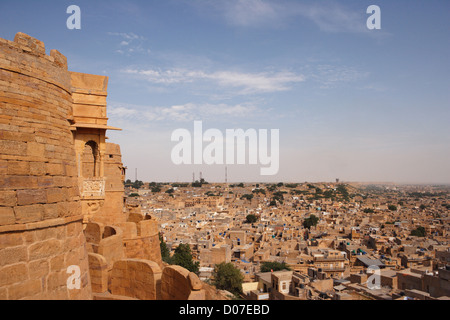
{"x":93,"y":188}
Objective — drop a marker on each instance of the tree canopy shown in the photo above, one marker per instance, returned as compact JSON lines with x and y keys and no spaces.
{"x":419,"y":232}
{"x":183,"y":258}
{"x":311,"y":221}
{"x":228,"y":277}
{"x":274,"y":266}
{"x":251,"y":218}
{"x":165,"y":253}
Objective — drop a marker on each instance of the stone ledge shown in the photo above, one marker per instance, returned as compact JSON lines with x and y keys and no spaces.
{"x":40,"y":224}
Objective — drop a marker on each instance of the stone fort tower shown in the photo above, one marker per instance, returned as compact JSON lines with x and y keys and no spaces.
{"x":41,"y":231}
{"x":62,"y":194}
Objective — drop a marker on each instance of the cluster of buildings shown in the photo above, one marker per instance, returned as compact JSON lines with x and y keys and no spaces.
{"x":365,"y":244}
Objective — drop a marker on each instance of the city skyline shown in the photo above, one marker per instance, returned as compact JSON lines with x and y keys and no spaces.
{"x":350,"y":103}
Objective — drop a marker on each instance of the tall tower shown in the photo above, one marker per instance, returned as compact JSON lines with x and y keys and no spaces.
{"x":40,"y":214}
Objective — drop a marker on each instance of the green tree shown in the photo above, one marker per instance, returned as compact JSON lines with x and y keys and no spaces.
{"x":165,"y":253}
{"x":256,"y":191}
{"x":183,"y":257}
{"x":328,"y":194}
{"x":419,"y":232}
{"x":137,"y":184}
{"x":343,"y":191}
{"x":156,"y":189}
{"x":248,"y":197}
{"x":311,"y":221}
{"x":392,"y":207}
{"x":251,"y":218}
{"x":228,"y":277}
{"x":274,"y":266}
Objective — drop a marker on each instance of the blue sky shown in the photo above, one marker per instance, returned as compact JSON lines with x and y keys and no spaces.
{"x":350,"y":103}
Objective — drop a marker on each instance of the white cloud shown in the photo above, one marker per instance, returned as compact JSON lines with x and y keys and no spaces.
{"x":329,"y":16}
{"x":247,"y":82}
{"x":251,"y":12}
{"x":127,"y":36}
{"x":330,"y":75}
{"x":130,"y":43}
{"x":334,"y":18}
{"x":180,"y":113}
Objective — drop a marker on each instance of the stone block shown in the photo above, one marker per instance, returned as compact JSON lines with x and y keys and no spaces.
{"x":50,"y":211}
{"x":44,"y":249}
{"x":37,"y":168}
{"x":35,"y":149}
{"x":27,"y":197}
{"x":7,"y":216}
{"x":57,"y":280}
{"x":26,"y":289}
{"x":17,"y":148}
{"x":57,"y":263}
{"x":13,"y":255}
{"x":18,"y":168}
{"x":8,"y":198}
{"x":55,"y":169}
{"x":13,"y":274}
{"x":39,"y":268}
{"x":55,"y":195}
{"x":10,"y":240}
{"x":19,"y":182}
{"x":25,"y":214}
{"x":45,"y":181}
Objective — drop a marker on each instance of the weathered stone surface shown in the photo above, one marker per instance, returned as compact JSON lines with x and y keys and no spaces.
{"x":8,"y":198}
{"x":33,"y":196}
{"x":34,"y":45}
{"x":25,"y":289}
{"x":30,"y":213}
{"x":194,"y":281}
{"x":44,"y":249}
{"x":13,"y":255}
{"x":7,"y":216}
{"x":177,"y":284}
{"x":98,"y":269}
{"x":13,"y":274}
{"x":136,"y":278}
